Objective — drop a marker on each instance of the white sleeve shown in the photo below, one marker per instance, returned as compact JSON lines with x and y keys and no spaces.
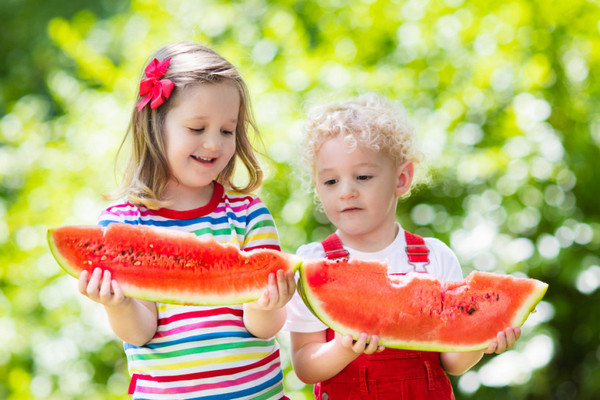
{"x":444,"y":261}
{"x":299,"y":317}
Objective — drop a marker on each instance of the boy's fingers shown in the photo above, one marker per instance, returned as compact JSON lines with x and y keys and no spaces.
{"x":373,"y":345}
{"x":359,"y":346}
{"x":510,"y":338}
{"x":501,"y":346}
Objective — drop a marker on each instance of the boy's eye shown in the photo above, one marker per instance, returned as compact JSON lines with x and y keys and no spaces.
{"x":364,"y":177}
{"x":330,"y":182}
{"x":198,"y":130}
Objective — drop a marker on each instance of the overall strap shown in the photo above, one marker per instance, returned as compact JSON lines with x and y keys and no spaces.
{"x":333,"y":247}
{"x":416,"y":249}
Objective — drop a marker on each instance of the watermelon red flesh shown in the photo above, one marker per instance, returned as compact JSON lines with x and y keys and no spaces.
{"x":415,"y":311}
{"x":169,"y":266}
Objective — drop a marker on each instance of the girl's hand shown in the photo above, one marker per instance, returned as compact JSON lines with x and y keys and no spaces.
{"x":279,"y":291}
{"x":505,"y":340}
{"x":100,"y":288}
{"x":360,"y":346}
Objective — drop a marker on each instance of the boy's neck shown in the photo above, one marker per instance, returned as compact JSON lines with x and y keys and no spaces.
{"x":373,"y":242}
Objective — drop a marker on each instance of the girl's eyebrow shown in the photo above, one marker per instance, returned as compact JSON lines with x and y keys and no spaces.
{"x":202,"y":118}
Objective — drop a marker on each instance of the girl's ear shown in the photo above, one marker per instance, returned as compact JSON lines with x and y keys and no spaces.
{"x":405,"y":174}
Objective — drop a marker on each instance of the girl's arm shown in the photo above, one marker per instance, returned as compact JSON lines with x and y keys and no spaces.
{"x":133,"y":321}
{"x":265,"y":317}
{"x":459,"y":363}
{"x":315,"y":359}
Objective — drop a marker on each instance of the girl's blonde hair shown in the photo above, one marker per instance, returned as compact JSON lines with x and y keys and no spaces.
{"x":147,"y":171}
{"x":368,"y":120}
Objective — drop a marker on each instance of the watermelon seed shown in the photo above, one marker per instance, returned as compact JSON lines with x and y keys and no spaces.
{"x":141,"y":254}
{"x":130,"y":250}
{"x":151,"y":246}
{"x":103,"y":258}
{"x":137,"y":263}
{"x":100,"y":247}
{"x":471,"y":310}
{"x":123,"y":253}
{"x":497,"y":297}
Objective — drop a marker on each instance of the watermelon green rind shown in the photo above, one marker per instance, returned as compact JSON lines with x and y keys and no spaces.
{"x":535,"y":289}
{"x":225,"y":276}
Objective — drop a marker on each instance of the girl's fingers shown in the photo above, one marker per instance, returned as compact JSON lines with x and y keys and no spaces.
{"x":94,"y":283}
{"x":282,"y":284}
{"x":82,"y":282}
{"x":105,"y":287}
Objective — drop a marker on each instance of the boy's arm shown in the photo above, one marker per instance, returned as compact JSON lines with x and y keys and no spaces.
{"x":265,"y":317}
{"x":459,"y":363}
{"x":316,"y":360}
{"x":133,"y":321}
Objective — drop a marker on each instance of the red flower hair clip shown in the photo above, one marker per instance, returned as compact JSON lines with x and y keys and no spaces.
{"x":155,"y":89}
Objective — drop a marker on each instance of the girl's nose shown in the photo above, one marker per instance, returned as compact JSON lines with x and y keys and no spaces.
{"x":211,"y":141}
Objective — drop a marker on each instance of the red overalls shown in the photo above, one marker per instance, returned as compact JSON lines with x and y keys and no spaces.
{"x":392,"y":373}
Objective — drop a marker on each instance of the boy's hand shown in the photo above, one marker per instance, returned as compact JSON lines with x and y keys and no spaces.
{"x":360,"y":346}
{"x":100,"y":288}
{"x":279,"y":291}
{"x":505,"y":340}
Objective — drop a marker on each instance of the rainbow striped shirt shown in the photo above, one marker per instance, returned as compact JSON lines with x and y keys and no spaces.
{"x":206,"y":352}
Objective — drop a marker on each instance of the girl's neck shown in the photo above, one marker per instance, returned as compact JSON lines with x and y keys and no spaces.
{"x":182,"y":198}
{"x":371,"y":242}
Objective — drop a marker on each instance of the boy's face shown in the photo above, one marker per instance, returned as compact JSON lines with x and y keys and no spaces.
{"x":359,"y":191}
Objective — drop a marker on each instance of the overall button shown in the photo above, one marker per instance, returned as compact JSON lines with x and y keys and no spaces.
{"x":324,"y":396}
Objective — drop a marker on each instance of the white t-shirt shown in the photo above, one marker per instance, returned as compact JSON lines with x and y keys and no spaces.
{"x":443,"y":264}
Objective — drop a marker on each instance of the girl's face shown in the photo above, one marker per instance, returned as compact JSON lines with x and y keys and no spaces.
{"x":359,"y":192}
{"x":199,"y":135}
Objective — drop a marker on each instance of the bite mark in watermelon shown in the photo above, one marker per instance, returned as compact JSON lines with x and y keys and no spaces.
{"x":416,"y":311}
{"x":168,"y":266}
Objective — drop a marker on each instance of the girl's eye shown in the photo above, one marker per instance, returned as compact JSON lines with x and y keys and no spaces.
{"x":330,"y":182}
{"x":364,"y":177}
{"x":197,"y":130}
{"x":226,"y":132}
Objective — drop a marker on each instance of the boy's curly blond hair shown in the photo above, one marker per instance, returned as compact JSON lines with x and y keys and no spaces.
{"x":368,"y":120}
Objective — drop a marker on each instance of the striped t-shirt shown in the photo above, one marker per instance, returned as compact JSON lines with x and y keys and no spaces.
{"x":205,"y":352}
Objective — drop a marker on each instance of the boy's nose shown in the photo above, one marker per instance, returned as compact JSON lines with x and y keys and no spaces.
{"x":348,"y":190}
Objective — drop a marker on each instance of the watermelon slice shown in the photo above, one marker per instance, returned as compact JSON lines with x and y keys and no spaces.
{"x":168,"y":266}
{"x":416,"y":311}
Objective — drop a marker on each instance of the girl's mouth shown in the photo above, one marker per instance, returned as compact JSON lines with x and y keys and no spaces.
{"x":204,"y":159}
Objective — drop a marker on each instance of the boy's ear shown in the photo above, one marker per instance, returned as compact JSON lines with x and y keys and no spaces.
{"x":405,"y":174}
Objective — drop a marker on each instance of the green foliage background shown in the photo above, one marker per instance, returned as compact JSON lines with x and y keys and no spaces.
{"x":503,"y":96}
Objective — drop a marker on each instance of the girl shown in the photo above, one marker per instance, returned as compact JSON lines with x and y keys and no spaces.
{"x":362,"y":157}
{"x":188,"y":131}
